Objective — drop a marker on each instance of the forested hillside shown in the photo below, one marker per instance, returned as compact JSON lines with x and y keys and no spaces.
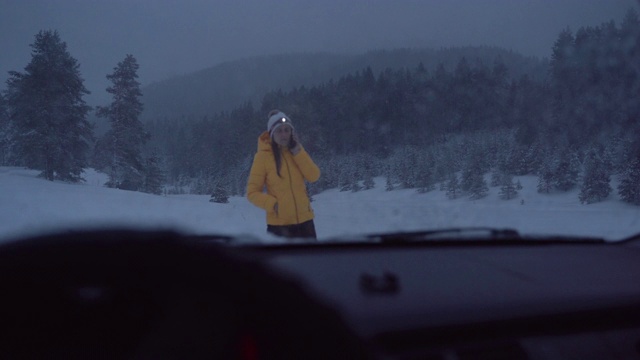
{"x":444,"y":126}
{"x":229,"y":85}
{"x":424,"y":119}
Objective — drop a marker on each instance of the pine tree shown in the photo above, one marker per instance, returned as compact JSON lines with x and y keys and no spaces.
{"x":496,"y":175}
{"x":566,"y":173}
{"x":368,"y":182}
{"x":629,"y":187}
{"x":595,"y":184}
{"x":345,"y":181}
{"x":367,"y":172}
{"x":5,"y":136}
{"x":425,"y":181}
{"x":545,"y":178}
{"x":47,"y":112}
{"x":3,"y":108}
{"x":123,"y":142}
{"x":220,"y":195}
{"x":389,"y":184}
{"x":453,"y":186}
{"x":508,"y":189}
{"x":564,"y":76}
{"x":355,"y":186}
{"x":518,"y":185}
{"x":405,"y":166}
{"x":479,"y":188}
{"x":153,"y":176}
{"x":520,"y":160}
{"x":473,"y":181}
{"x":425,"y":172}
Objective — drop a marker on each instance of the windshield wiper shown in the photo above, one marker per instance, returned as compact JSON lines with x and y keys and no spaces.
{"x":476,"y":235}
{"x":631,"y":239}
{"x":222,"y":239}
{"x":466,"y":233}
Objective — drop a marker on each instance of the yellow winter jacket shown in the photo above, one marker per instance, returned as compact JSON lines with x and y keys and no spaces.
{"x":288,"y":190}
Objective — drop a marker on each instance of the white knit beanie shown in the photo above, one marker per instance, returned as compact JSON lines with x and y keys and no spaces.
{"x":276,"y":120}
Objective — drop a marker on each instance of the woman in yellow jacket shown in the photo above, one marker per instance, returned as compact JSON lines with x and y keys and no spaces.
{"x":281,"y":165}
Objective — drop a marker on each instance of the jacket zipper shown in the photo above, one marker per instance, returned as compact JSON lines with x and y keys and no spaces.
{"x":295,"y":203}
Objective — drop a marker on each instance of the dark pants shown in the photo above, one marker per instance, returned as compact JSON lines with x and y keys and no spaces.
{"x":304,"y":230}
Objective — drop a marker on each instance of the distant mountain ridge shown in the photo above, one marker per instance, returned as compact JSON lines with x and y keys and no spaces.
{"x":226,"y":86}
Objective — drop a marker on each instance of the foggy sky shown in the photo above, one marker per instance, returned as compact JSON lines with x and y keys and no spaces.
{"x":174,"y":37}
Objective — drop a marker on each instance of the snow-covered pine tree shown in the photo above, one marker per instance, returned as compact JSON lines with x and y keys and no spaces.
{"x":330,"y":174}
{"x":153,"y":176}
{"x":629,"y":187}
{"x":595,"y":183}
{"x":613,"y":155}
{"x":368,"y":172}
{"x":347,"y":175}
{"x":240,"y":173}
{"x":473,"y":181}
{"x":508,"y":189}
{"x":566,"y":172}
{"x":207,"y":179}
{"x":519,"y":161}
{"x":345,"y":185}
{"x":123,"y":142}
{"x":425,"y":180}
{"x":405,"y":166}
{"x":389,"y":183}
{"x":545,"y":177}
{"x":219,"y":195}
{"x":453,"y":186}
{"x":368,"y":182}
{"x":479,"y":188}
{"x":355,"y":186}
{"x":47,"y":112}
{"x":425,"y":172}
{"x":4,"y":115}
{"x":496,"y":176}
{"x":5,"y":137}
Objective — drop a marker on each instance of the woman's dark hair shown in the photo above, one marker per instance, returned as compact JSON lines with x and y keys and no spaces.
{"x":277,"y":155}
{"x":274,"y":146}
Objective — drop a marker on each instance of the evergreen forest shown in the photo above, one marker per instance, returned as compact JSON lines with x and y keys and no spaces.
{"x":459,"y":127}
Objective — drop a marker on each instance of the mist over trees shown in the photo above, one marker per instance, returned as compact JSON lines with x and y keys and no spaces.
{"x":228,"y":85}
{"x":461,"y":122}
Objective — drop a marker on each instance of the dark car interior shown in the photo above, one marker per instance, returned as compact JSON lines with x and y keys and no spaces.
{"x":106,"y":294}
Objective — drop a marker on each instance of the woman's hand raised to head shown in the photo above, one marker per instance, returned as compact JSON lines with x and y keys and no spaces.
{"x":296,"y":149}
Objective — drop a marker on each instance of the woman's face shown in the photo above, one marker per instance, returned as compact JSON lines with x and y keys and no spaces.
{"x":282,"y":134}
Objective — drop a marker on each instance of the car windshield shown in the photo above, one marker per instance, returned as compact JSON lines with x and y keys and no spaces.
{"x":273,"y":120}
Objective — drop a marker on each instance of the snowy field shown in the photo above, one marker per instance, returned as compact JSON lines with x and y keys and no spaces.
{"x":29,"y":205}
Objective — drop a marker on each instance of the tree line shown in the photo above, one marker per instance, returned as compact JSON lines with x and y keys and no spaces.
{"x":43,"y":121}
{"x":422,"y":128}
{"x":228,"y":85}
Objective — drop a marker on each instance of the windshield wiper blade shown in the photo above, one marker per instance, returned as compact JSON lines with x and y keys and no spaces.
{"x":463,"y":233}
{"x":630,"y":239}
{"x":222,"y":239}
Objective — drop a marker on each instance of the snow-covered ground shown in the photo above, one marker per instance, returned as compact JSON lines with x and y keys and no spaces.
{"x":30,"y":205}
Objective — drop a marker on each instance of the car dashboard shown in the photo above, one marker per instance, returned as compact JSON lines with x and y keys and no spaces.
{"x":476,"y":300}
{"x":156,"y":295}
